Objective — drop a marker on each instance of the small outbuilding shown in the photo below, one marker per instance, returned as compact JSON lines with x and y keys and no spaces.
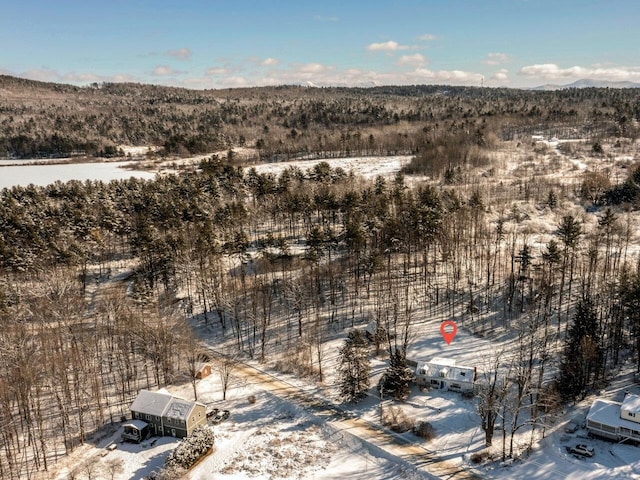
{"x":203,"y":370}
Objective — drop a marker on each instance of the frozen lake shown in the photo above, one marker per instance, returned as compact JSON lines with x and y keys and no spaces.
{"x":45,"y":174}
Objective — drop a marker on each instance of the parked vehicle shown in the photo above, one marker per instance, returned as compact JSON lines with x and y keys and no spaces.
{"x":582,"y":450}
{"x":212,"y":413}
{"x":218,"y":416}
{"x":571,"y":427}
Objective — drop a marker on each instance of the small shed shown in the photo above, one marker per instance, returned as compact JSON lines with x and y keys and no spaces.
{"x":203,"y":370}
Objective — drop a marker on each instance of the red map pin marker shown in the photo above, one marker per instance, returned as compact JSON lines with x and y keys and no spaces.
{"x":448,"y":335}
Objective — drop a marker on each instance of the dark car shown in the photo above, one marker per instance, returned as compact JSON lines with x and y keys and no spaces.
{"x":212,"y":413}
{"x":220,"y":416}
{"x":571,"y":427}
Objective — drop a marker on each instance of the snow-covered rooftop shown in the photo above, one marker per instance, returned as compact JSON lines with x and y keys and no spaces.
{"x":446,"y":368}
{"x":179,"y":409}
{"x":607,"y":412}
{"x":150,"y":403}
{"x":443,"y":361}
{"x":137,"y":424}
{"x":631,"y":403}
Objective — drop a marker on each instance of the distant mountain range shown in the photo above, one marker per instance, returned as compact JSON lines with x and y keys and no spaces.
{"x":587,"y":83}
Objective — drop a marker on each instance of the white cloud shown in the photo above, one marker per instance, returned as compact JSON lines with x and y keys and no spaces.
{"x":427,"y":37}
{"x":312,"y":68}
{"x":268,"y":62}
{"x":234,"y":81}
{"x":501,"y":75}
{"x":329,"y":75}
{"x":217,"y":71}
{"x":551,"y":71}
{"x":82,"y":78}
{"x":496,"y":58}
{"x":164,"y":70}
{"x":415,"y":60}
{"x":42,"y":75}
{"x":124,"y":77}
{"x":450,"y":76}
{"x":180,"y":54}
{"x":389,"y":46}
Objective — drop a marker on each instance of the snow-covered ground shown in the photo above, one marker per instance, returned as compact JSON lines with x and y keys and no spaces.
{"x":368,"y":167}
{"x":37,"y":174}
{"x":135,"y":151}
{"x":262,"y":439}
{"x":265,"y":437}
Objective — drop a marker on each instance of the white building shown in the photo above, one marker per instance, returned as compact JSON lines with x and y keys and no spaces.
{"x":444,"y":374}
{"x":614,"y":420}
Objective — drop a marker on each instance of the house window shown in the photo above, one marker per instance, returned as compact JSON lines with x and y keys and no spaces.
{"x":157,"y":418}
{"x":633,"y":415}
{"x":463,"y":373}
{"x":148,"y":417}
{"x":135,"y":414}
{"x":455,"y":385}
{"x":435,"y":382}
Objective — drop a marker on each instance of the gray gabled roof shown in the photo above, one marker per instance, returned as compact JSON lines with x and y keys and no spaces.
{"x":151,"y":403}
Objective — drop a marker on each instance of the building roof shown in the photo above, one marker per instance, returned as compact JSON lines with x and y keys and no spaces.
{"x":179,"y":409}
{"x":443,"y":361}
{"x":137,"y":424}
{"x":446,"y":368}
{"x":631,"y":403}
{"x":202,"y":365}
{"x":604,"y":411}
{"x":151,"y":403}
{"x":607,"y":412}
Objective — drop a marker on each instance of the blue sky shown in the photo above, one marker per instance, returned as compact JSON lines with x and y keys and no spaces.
{"x":220,"y":43}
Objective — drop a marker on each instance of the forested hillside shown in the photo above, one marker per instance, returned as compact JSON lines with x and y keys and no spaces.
{"x":505,"y":234}
{"x":43,"y":119}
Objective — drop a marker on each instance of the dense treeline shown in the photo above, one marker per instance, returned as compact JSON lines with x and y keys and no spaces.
{"x":40,"y":119}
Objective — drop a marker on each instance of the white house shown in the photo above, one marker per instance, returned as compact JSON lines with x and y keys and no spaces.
{"x":614,"y":420}
{"x":444,"y":374}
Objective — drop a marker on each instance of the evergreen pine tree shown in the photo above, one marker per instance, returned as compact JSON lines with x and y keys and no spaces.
{"x":398,"y":376}
{"x":583,"y":351}
{"x":354,"y":367}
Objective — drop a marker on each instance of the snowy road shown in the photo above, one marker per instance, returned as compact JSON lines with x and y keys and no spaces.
{"x":401,"y":448}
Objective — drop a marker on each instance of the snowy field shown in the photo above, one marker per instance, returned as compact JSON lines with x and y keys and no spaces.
{"x":39,"y":172}
{"x":368,"y":167}
{"x":46,"y":174}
